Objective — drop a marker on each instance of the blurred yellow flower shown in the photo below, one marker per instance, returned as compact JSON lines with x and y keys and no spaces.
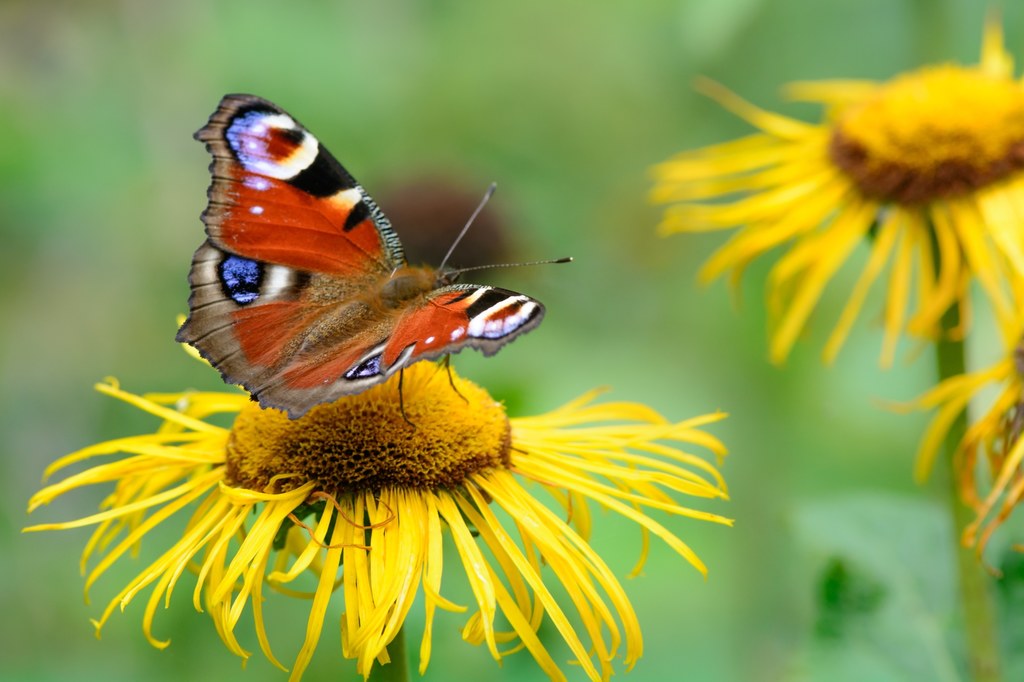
{"x":993,"y":491}
{"x":924,"y":168}
{"x":353,"y":499}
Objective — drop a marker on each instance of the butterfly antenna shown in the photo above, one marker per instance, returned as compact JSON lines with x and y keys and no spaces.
{"x":483,"y":202}
{"x":453,"y":273}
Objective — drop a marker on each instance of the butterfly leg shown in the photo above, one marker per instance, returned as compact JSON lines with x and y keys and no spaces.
{"x":446,"y":361}
{"x":401,"y":397}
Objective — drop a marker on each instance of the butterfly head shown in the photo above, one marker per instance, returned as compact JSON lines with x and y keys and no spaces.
{"x":445,"y":277}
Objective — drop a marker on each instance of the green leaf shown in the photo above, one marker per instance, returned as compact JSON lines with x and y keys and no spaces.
{"x":880,"y":607}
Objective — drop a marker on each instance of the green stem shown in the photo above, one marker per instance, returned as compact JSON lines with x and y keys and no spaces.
{"x":398,"y":669}
{"x":978,"y":613}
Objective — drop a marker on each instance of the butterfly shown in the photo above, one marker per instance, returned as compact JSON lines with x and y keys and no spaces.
{"x":301,"y":292}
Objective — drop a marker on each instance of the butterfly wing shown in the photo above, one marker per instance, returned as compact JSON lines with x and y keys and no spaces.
{"x":444,"y":321}
{"x":278,"y":196}
{"x":292,"y":243}
{"x":460,"y":316}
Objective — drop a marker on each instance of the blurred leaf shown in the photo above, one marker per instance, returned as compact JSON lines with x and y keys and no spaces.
{"x":844,"y":594}
{"x":1009,"y":595}
{"x":881,"y":586}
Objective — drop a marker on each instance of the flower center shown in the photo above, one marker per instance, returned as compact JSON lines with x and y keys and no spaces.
{"x":935,"y":133}
{"x":362,"y":442}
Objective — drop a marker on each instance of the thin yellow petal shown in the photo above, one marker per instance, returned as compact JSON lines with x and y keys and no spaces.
{"x":157,"y":410}
{"x":897,"y":297}
{"x":995,"y":60}
{"x":492,"y":533}
{"x":780,"y":126}
{"x":832,"y":92}
{"x":318,"y":609}
{"x":477,"y":569}
{"x":848,"y":228}
{"x":880,"y":252}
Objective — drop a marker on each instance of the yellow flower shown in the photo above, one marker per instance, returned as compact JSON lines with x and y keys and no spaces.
{"x":925,"y":167}
{"x":994,"y":437}
{"x":357,"y":501}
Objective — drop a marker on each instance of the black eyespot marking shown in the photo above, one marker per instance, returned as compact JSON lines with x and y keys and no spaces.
{"x":260,"y":108}
{"x":324,"y":177}
{"x":241,"y":279}
{"x":489,"y":298}
{"x":300,"y":280}
{"x":358,"y":214}
{"x":296,"y":136}
{"x":367,"y":368}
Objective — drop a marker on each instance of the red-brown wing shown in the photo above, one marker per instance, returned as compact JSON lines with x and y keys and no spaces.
{"x":283,"y":290}
{"x":459,"y":316}
{"x":446,"y":321}
{"x":267,"y":328}
{"x":294,"y":243}
{"x":278,"y":196}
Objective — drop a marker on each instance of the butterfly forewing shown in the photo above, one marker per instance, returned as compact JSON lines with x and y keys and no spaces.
{"x":301,"y":293}
{"x":278,"y":195}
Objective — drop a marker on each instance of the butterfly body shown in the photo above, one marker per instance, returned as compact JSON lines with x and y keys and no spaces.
{"x":301,"y":292}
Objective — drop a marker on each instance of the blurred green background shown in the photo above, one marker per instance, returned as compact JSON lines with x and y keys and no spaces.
{"x":838,"y":567}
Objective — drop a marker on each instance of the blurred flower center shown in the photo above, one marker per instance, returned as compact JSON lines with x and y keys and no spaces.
{"x":1018,"y":359}
{"x":362,"y":442}
{"x":935,"y":133}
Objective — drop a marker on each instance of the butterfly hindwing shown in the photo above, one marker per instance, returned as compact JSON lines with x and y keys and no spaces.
{"x":458,"y":316}
{"x":301,"y":293}
{"x":445,"y":321}
{"x":276,"y":330}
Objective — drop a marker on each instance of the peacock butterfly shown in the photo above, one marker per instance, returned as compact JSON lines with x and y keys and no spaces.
{"x":301,"y":292}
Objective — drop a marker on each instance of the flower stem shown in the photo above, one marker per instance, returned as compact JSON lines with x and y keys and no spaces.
{"x":978,"y":613}
{"x":398,"y":669}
